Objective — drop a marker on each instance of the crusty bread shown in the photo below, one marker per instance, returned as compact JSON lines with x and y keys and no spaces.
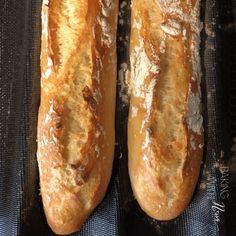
{"x":77,"y":110}
{"x":165,"y":134}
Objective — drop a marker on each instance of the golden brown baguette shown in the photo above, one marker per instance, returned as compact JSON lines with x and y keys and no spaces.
{"x":165,"y":134}
{"x":76,"y":115}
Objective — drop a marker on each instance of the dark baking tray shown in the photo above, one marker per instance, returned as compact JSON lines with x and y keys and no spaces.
{"x":21,"y":210}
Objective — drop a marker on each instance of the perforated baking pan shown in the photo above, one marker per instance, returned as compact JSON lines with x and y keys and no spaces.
{"x":212,"y":209}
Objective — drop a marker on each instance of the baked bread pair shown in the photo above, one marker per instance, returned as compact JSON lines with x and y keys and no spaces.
{"x":77,"y":111}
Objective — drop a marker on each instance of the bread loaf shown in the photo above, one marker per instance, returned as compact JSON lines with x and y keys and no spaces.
{"x":77,"y":110}
{"x":165,"y":133}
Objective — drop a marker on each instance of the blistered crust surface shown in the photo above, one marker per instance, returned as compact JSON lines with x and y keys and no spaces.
{"x":76,"y":115}
{"x":165,"y":122}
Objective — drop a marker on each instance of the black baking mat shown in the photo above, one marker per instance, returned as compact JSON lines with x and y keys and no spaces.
{"x":21,"y":210}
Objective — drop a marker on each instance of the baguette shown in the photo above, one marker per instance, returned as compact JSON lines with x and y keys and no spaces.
{"x":77,"y":110}
{"x":165,"y":131}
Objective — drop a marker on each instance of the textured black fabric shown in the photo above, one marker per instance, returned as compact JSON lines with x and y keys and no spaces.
{"x":21,"y":210}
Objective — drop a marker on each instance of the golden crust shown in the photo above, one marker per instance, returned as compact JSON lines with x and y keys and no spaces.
{"x":76,"y":114}
{"x":165,"y":134}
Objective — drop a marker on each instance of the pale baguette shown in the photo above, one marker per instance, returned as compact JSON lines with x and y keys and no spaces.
{"x":77,"y":110}
{"x":165,"y":133}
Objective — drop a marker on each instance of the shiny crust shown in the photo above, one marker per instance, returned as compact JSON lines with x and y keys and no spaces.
{"x":76,"y":114}
{"x":165,"y":134}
